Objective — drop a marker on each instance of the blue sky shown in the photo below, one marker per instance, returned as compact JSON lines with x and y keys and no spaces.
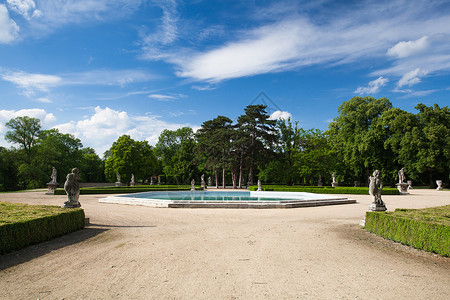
{"x":99,"y":69}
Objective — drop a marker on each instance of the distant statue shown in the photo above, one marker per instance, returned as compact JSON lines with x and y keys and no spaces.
{"x":203,"y":181}
{"x":72,"y":188}
{"x":54,"y":175}
{"x":192,"y":185}
{"x":132,"y":182}
{"x":334,"y":182}
{"x":334,"y":177}
{"x":259,"y":186}
{"x":209,"y":181}
{"x":439,"y":185}
{"x":319,"y":183}
{"x":159,"y":180}
{"x":118,"y":176}
{"x":151,"y":181}
{"x":401,"y":176}
{"x":375,"y":188}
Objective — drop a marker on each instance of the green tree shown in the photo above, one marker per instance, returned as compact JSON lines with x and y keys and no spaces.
{"x":127,"y":156}
{"x":59,"y":150}
{"x":357,"y":143}
{"x":175,"y":149}
{"x":24,"y":131}
{"x":214,"y":143}
{"x":8,"y":170}
{"x":92,"y":168}
{"x":255,"y":134}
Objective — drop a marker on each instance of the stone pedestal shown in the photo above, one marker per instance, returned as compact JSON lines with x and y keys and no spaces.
{"x":334,"y":184}
{"x":439,"y":185}
{"x":71,"y":204}
{"x":402,"y":188}
{"x":52,"y":186}
{"x":377,"y":207}
{"x":118,"y":184}
{"x":409,"y":184}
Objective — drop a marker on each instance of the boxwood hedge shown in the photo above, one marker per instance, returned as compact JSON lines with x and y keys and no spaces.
{"x":22,"y":225}
{"x":427,"y":229}
{"x":128,"y":189}
{"x":324,"y":189}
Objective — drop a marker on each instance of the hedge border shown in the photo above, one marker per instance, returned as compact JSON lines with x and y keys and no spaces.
{"x":124,"y":190}
{"x":420,"y":234}
{"x":18,"y":235}
{"x":326,"y":190}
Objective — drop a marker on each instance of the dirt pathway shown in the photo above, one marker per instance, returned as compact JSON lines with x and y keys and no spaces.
{"x":131,"y":252}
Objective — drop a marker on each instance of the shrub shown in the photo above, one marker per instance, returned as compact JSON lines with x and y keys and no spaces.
{"x":427,"y":229}
{"x":22,"y":225}
{"x":324,"y":189}
{"x":128,"y":189}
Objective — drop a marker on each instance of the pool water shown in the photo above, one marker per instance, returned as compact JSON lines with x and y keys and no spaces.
{"x":226,"y":199}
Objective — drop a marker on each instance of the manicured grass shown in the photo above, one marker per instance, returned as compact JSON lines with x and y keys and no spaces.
{"x":427,"y":229}
{"x":324,"y":189}
{"x":22,"y":225}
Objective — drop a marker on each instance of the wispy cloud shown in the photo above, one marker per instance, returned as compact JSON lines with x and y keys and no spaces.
{"x":168,"y":97}
{"x":26,"y":8}
{"x":30,"y":83}
{"x":8,"y":28}
{"x":345,"y":34}
{"x":373,"y":86}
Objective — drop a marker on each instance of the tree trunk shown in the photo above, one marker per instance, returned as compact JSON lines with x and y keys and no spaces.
{"x":250,"y":176}
{"x":216,"y":174}
{"x":223,"y":177}
{"x":240,"y":174}
{"x":234,"y":177}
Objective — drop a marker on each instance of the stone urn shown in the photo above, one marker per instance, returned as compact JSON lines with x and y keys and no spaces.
{"x":439,"y":185}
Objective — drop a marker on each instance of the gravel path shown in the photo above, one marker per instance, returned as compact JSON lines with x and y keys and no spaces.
{"x":132,"y":252}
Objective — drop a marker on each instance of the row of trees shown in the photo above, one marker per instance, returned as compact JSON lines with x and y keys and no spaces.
{"x":367,"y":134}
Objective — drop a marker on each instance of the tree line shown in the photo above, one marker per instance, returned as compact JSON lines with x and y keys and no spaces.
{"x":367,"y":134}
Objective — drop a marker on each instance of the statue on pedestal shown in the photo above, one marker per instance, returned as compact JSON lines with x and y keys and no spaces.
{"x":132,"y":182}
{"x":334,"y":183}
{"x":375,"y":188}
{"x":259,"y":186}
{"x":52,"y":185}
{"x":319,"y":183}
{"x":203,"y":183}
{"x":402,"y":186}
{"x":118,"y":183}
{"x":193,"y":185}
{"x":72,"y":188}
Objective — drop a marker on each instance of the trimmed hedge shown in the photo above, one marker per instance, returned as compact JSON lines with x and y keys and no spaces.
{"x":324,"y":189}
{"x":128,"y":189}
{"x":427,"y":229}
{"x":22,"y":225}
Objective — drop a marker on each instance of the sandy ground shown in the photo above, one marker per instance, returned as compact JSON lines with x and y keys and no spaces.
{"x":132,"y":252}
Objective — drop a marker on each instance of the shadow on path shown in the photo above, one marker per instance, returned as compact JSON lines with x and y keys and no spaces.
{"x":121,"y":226}
{"x":31,"y":252}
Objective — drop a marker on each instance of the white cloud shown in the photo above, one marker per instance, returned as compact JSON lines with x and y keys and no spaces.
{"x":284,"y":115}
{"x":405,"y":49}
{"x":411,"y":78}
{"x":373,"y":86}
{"x":101,"y":129}
{"x":8,"y":28}
{"x":44,"y":100}
{"x":32,"y":82}
{"x":162,"y":97}
{"x":5,"y":115}
{"x":26,"y":8}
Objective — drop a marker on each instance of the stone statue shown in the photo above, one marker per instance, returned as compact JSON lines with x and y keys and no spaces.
{"x":192,"y":185}
{"x":54,"y":175}
{"x":259,"y":186}
{"x":132,"y":182}
{"x":401,"y":176}
{"x":159,"y":180}
{"x":319,"y":183}
{"x":118,"y":176}
{"x":401,"y":185}
{"x":375,"y":188}
{"x":72,"y":188}
{"x":203,"y":184}
{"x":52,"y":185}
{"x":209,"y":181}
{"x":334,"y":182}
{"x":151,"y":181}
